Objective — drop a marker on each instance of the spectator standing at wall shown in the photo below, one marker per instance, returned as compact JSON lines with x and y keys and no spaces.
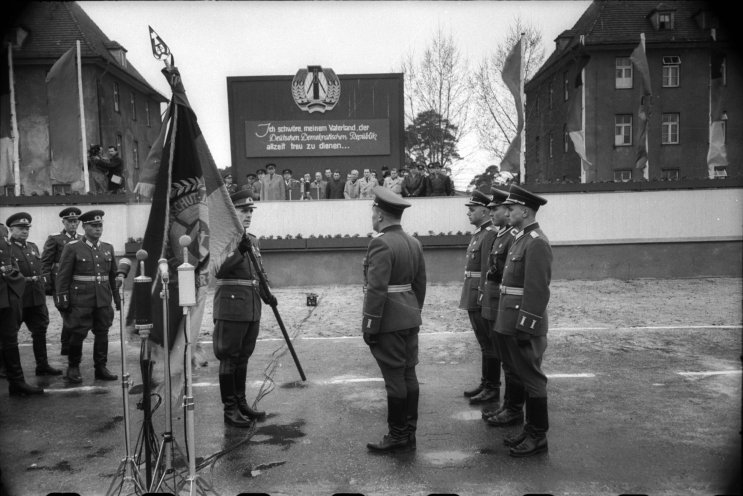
{"x":414,"y":184}
{"x":260,"y":173}
{"x":231,"y":186}
{"x":317,"y":189}
{"x":251,"y":185}
{"x":292,"y":187}
{"x":272,"y":185}
{"x":393,"y":182}
{"x":366,"y":186}
{"x":328,"y":175}
{"x":351,"y":190}
{"x":334,"y":189}
{"x":438,"y":184}
{"x":376,"y":179}
{"x":115,"y":170}
{"x":97,"y":171}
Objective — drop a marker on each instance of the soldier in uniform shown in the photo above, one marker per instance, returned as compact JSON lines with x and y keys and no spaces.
{"x":488,"y":391}
{"x":511,"y":410}
{"x":85,"y":287}
{"x":35,"y":314}
{"x":522,"y":316}
{"x":52,"y":253}
{"x":237,"y":315}
{"x":395,"y":288}
{"x":12,"y":284}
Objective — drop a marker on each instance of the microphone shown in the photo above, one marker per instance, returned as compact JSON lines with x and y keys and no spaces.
{"x":125,"y":265}
{"x":162,"y":267}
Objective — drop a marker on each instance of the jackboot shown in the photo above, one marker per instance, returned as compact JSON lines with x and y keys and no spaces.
{"x":100,"y":358}
{"x":64,"y":339}
{"x":494,"y":409}
{"x":397,"y":439}
{"x":411,"y":415}
{"x":515,"y":439}
{"x":514,"y":412}
{"x":42,"y":362}
{"x":483,"y":377}
{"x":17,"y":385}
{"x":232,"y":415}
{"x":535,"y":441}
{"x":74,"y":355}
{"x":241,"y":374}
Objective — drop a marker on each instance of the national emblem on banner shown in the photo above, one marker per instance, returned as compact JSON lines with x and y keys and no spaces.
{"x":316,"y":89}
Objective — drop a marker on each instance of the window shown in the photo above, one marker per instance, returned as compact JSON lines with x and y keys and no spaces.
{"x":565,"y":86}
{"x":132,"y":104}
{"x":147,"y":114}
{"x":671,"y":71}
{"x":622,"y":130}
{"x":116,"y":97}
{"x":550,"y":142}
{"x":550,"y":92}
{"x":669,"y":174}
{"x":135,"y":154}
{"x":623,"y":73}
{"x":721,"y":172}
{"x":622,"y":175}
{"x":61,"y":189}
{"x":665,"y":21}
{"x":670,"y":131}
{"x":565,"y":139}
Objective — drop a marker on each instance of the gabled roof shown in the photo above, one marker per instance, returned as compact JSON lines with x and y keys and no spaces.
{"x":54,"y":27}
{"x":618,"y":23}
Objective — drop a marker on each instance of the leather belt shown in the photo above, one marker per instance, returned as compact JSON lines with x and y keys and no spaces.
{"x":237,"y":282}
{"x":469,"y":273}
{"x":509,"y":290}
{"x":399,"y":288}
{"x":90,"y":278}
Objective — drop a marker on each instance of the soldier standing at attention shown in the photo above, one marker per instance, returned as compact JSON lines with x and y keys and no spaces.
{"x":237,"y":316}
{"x":395,"y":288}
{"x":512,"y":410}
{"x":478,"y":213}
{"x":85,"y":287}
{"x":35,"y":314}
{"x":53,"y":253}
{"x":522,"y":316}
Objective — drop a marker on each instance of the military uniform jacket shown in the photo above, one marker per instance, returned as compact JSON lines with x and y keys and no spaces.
{"x":12,"y":282}
{"x":87,"y":275}
{"x":238,"y":294}
{"x":28,"y":258}
{"x":394,"y":282}
{"x":475,"y":265}
{"x":528,"y":270}
{"x":490,"y":285}
{"x":51,"y":255}
{"x":292,"y":190}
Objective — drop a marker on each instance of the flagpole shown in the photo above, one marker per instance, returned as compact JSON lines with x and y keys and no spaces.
{"x":83,"y":142}
{"x":522,"y":144}
{"x":14,"y":125}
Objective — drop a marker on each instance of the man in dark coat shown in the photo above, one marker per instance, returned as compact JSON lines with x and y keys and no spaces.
{"x":237,"y":316}
{"x":85,"y":287}
{"x":395,"y":289}
{"x":35,"y":314}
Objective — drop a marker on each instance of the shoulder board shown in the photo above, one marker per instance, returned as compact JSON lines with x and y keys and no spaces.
{"x":376,"y":235}
{"x":534,"y":234}
{"x":51,"y":235}
{"x":514,"y":232}
{"x":490,"y":228}
{"x":73,"y":241}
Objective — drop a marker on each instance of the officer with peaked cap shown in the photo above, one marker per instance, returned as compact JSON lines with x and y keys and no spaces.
{"x":522,"y":316}
{"x":237,"y":315}
{"x":394,"y":291}
{"x":12,"y":284}
{"x":511,"y":410}
{"x":35,"y":314}
{"x":52,"y":253}
{"x":85,"y":287}
{"x":476,"y":259}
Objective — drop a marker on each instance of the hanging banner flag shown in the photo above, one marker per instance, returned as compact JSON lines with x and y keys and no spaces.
{"x":717,"y":153}
{"x":512,"y":75}
{"x":640,"y":62}
{"x":575,"y":120}
{"x":6,"y":141}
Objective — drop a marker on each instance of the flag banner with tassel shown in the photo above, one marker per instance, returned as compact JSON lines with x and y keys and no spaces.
{"x":640,"y":62}
{"x":717,"y":152}
{"x":512,"y":73}
{"x":576,"y":130}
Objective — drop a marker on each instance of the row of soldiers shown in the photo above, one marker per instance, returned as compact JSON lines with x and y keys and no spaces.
{"x":80,"y":272}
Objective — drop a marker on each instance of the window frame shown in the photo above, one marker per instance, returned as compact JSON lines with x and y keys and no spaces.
{"x":625,"y":82}
{"x":625,"y":175}
{"x":671,"y":64}
{"x":665,"y":173}
{"x":669,"y":128}
{"x":624,"y":126}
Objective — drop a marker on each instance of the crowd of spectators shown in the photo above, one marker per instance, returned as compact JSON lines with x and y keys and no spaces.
{"x":266,"y":184}
{"x":105,"y":172}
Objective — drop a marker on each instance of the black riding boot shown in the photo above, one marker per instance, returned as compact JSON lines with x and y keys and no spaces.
{"x":74,"y":355}
{"x":42,"y":362}
{"x":397,"y":439}
{"x":232,"y":415}
{"x":241,"y":374}
{"x":411,"y":414}
{"x":513,"y":413}
{"x":535,"y":438}
{"x":483,"y":374}
{"x":14,"y":371}
{"x":491,"y":386}
{"x":100,"y":358}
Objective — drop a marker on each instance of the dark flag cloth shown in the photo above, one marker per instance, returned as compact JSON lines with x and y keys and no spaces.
{"x":512,"y":73}
{"x":575,"y":120}
{"x":717,"y":152}
{"x":640,"y":61}
{"x":189,"y":198}
{"x":6,"y":142}
{"x":65,"y":133}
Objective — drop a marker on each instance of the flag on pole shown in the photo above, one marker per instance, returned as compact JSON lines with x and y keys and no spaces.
{"x":6,"y":140}
{"x":717,"y":153}
{"x":575,"y":121}
{"x":160,"y":50}
{"x":189,"y":198}
{"x":512,"y":75}
{"x":640,"y":62}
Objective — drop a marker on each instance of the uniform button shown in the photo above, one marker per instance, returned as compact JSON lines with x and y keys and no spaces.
{"x":517,"y":306}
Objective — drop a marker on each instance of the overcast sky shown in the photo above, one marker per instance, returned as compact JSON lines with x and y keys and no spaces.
{"x":215,"y":40}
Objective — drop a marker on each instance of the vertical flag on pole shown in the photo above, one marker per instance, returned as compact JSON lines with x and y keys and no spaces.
{"x":6,"y":139}
{"x":575,"y":123}
{"x":65,"y":135}
{"x":640,"y":62}
{"x":717,"y":153}
{"x":513,"y":77}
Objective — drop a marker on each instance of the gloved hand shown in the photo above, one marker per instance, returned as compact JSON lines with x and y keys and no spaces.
{"x":523,"y":338}
{"x":119,"y":282}
{"x":63,"y":306}
{"x":118,"y":306}
{"x":271,"y":300}
{"x":244,"y":245}
{"x":370,"y":339}
{"x":492,"y":274}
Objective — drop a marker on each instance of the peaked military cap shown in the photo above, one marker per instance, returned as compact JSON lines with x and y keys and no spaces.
{"x":243,"y":199}
{"x":252,"y":175}
{"x":20,"y":219}
{"x":499,"y":197}
{"x":287,"y":171}
{"x":519,"y":196}
{"x":70,"y":213}
{"x":92,"y":216}
{"x":478,"y":199}
{"x":388,"y":201}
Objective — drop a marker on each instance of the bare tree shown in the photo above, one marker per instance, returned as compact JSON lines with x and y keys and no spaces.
{"x":495,"y":118}
{"x":438,"y":83}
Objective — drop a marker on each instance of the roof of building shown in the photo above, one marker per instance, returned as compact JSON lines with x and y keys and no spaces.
{"x":54,"y":27}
